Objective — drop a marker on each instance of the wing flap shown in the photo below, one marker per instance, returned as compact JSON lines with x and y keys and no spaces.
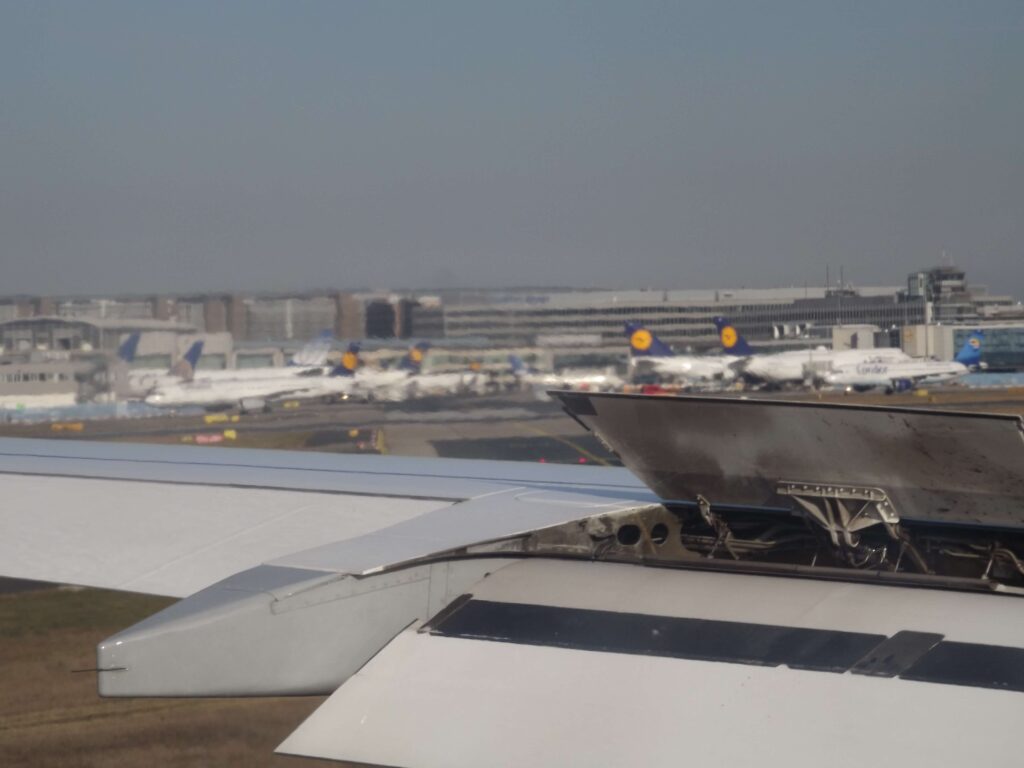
{"x":935,"y":466}
{"x":470,"y":692}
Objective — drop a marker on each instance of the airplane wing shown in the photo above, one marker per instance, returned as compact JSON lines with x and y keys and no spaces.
{"x":795,"y":583}
{"x":171,"y":520}
{"x":551,"y":663}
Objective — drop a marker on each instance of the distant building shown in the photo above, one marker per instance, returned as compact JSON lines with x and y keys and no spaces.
{"x":34,"y":380}
{"x":70,"y":334}
{"x":426,"y":321}
{"x":780,"y":318}
{"x":107,"y":309}
{"x":774,"y":318}
{"x":161,"y":342}
{"x":949,"y":298}
{"x":288,"y":317}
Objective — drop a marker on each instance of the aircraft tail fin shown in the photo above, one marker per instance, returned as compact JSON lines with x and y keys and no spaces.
{"x":731,"y":339}
{"x":193,"y":354}
{"x":186,"y":367}
{"x":413,"y":360}
{"x":349,"y":362}
{"x":519,"y":366}
{"x":644,"y":343}
{"x":129,"y":346}
{"x":970,"y":352}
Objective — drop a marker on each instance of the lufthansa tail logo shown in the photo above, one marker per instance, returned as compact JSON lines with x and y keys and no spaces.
{"x":975,"y":343}
{"x":416,"y":355}
{"x":349,"y":361}
{"x":641,"y":339}
{"x":729,"y":337}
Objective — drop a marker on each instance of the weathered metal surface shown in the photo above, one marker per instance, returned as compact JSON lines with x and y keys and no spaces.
{"x":933,"y":466}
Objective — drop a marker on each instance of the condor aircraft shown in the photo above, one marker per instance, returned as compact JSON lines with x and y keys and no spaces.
{"x":767,"y":584}
{"x":797,"y":366}
{"x":901,"y":375}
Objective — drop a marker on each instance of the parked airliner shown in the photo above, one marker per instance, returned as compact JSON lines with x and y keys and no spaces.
{"x":901,"y":375}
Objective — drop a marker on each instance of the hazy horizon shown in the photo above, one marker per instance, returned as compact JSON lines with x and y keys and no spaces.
{"x":277,"y":147}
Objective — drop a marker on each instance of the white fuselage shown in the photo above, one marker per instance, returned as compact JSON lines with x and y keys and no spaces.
{"x":590,"y":379}
{"x":391,"y":385}
{"x":260,"y":374}
{"x":397,"y":385}
{"x":445,"y":384}
{"x":208,"y":393}
{"x":148,"y":379}
{"x":145,"y":380}
{"x":693,"y":368}
{"x":795,"y":366}
{"x":882,"y":373}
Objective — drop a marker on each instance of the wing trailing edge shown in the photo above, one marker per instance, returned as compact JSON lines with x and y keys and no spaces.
{"x":565,"y":663}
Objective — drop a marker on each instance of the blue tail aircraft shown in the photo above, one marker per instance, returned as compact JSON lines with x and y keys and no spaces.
{"x":643,"y":342}
{"x":186,"y":367}
{"x":129,"y":346}
{"x":413,"y":360}
{"x":349,"y":362}
{"x":194,"y":353}
{"x":970,"y":352}
{"x":732,"y":340}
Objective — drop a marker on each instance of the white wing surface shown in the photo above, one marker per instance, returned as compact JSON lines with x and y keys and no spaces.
{"x":169,"y":539}
{"x":557,"y":663}
{"x":171,"y":520}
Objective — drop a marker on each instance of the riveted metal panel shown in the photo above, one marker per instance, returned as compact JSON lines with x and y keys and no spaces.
{"x":935,"y":466}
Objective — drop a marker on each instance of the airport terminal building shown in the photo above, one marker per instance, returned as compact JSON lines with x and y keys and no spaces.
{"x":262,"y":330}
{"x":784,"y":317}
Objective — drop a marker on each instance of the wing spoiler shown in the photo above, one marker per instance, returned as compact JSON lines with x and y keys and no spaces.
{"x":931,"y":466}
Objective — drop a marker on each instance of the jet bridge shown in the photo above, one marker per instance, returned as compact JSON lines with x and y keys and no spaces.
{"x":898,"y":490}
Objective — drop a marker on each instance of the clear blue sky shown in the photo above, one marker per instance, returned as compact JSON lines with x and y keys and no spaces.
{"x":278,"y":146}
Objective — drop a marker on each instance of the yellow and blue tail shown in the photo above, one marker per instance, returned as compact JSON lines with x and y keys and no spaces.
{"x":413,"y":360}
{"x":732,"y":340}
{"x":643,"y":342}
{"x":350,"y":362}
{"x":970,"y":352}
